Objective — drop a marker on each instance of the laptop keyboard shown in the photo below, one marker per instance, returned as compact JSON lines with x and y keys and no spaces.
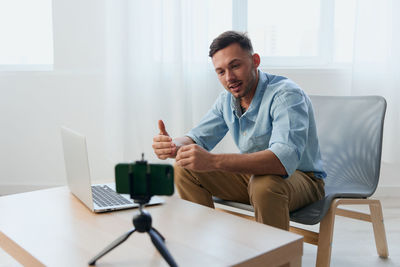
{"x":104,"y":196}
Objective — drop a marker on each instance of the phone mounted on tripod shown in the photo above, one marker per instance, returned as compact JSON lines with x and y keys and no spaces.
{"x":143,"y":180}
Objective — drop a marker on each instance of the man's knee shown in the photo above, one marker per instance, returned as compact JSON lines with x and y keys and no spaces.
{"x":267,"y":187}
{"x":180,"y":174}
{"x":269,"y":197}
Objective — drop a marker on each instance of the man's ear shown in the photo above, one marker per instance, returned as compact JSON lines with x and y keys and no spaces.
{"x":256,"y":60}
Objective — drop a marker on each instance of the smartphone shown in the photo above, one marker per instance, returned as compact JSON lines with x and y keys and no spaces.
{"x":148,"y":179}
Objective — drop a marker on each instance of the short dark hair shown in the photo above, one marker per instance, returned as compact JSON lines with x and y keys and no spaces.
{"x":230,"y":37}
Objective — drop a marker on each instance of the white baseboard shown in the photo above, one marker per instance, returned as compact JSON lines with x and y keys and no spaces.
{"x":387,"y":191}
{"x":15,"y":189}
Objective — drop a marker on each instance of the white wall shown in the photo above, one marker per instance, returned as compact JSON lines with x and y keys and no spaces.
{"x":324,"y":81}
{"x":33,"y":105}
{"x":86,"y":92}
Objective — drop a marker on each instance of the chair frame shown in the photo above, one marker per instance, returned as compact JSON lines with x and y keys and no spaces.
{"x":323,"y":239}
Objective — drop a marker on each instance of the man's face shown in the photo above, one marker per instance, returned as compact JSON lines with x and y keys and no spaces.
{"x":237,"y":70}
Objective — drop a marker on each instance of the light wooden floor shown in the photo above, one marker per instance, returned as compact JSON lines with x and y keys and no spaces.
{"x":353,"y":241}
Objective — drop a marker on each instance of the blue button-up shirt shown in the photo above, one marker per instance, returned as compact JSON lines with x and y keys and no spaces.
{"x":280,"y":118}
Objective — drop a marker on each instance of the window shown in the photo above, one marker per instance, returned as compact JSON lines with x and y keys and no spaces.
{"x":219,"y":18}
{"x":298,"y":33}
{"x":26,"y":39}
{"x":344,"y":30}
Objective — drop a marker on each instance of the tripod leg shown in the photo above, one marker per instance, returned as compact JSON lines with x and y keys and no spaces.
{"x":157,"y":232}
{"x":110,"y":247}
{"x":159,"y":244}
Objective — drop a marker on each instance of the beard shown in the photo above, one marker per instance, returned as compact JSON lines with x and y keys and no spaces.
{"x":240,"y":89}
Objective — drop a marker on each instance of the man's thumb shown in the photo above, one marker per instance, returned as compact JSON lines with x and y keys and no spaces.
{"x":161,"y":126}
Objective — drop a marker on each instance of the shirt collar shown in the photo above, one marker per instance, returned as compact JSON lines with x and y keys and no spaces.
{"x":236,"y":109}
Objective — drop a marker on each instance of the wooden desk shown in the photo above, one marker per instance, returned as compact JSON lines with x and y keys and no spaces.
{"x":51,"y":227}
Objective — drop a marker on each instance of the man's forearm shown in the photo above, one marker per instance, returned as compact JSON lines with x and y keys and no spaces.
{"x":262,"y":162}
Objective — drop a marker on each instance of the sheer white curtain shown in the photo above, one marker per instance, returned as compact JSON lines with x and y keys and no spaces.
{"x":377,"y":64}
{"x":166,"y":73}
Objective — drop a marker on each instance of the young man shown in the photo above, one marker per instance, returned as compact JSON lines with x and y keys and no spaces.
{"x":271,"y":120}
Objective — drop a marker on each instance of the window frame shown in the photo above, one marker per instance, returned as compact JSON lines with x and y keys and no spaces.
{"x":325,"y":38}
{"x":35,"y":67}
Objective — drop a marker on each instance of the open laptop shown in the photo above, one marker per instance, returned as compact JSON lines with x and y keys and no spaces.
{"x":98,"y":197}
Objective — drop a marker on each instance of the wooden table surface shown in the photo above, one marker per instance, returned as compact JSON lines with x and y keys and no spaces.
{"x":51,"y":227}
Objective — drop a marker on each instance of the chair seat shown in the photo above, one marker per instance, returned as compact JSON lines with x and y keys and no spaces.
{"x":315,"y":212}
{"x":234,"y":204}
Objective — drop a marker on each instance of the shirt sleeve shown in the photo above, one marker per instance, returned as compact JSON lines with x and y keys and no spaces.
{"x":212,"y":127}
{"x":289,"y":113}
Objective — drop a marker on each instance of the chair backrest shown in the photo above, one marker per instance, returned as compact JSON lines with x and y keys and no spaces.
{"x":350,"y":130}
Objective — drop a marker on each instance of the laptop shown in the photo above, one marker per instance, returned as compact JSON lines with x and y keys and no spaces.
{"x":97,"y":197}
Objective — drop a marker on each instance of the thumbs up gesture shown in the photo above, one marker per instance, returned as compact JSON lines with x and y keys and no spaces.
{"x":161,"y":126}
{"x":162,"y":143}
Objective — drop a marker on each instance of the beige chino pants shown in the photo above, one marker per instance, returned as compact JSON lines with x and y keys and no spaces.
{"x":272,"y":196}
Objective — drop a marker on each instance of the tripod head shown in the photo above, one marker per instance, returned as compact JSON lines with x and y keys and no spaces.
{"x":141,"y":199}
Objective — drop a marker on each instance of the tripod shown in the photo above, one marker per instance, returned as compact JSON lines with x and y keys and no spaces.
{"x":142,"y":223}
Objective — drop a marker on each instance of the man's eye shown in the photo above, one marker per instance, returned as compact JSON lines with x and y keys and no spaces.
{"x":220,"y":73}
{"x":235,"y":66}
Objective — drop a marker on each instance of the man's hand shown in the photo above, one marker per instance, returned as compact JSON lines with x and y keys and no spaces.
{"x":195,"y":158}
{"x":162,"y":143}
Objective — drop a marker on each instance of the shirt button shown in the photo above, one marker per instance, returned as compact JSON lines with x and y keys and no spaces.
{"x":244,"y":133}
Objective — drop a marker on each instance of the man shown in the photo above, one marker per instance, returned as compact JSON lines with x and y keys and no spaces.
{"x":271,"y":120}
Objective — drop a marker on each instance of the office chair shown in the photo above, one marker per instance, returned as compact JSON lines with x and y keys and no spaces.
{"x":350,"y":132}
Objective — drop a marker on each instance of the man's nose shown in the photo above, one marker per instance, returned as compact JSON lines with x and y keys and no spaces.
{"x":230,"y":76}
